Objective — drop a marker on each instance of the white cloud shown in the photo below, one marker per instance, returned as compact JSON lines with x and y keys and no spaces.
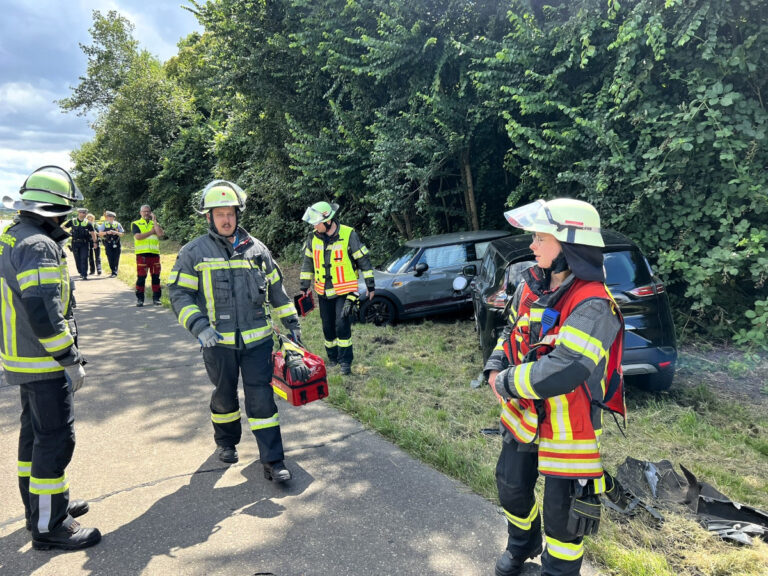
{"x":17,"y":96}
{"x":17,"y":164}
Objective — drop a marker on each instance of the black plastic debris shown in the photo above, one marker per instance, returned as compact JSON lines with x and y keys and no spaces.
{"x":656,"y":484}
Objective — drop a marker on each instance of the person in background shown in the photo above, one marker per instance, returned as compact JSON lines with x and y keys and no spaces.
{"x":555,"y":366}
{"x":111,"y":231}
{"x":147,"y":233}
{"x":40,"y":355}
{"x":333,"y":253}
{"x":82,"y":237}
{"x":94,"y":247}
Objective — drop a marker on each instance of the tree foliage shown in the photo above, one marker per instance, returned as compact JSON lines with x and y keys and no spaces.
{"x":429,"y":117}
{"x":110,"y":59}
{"x":654,"y":112}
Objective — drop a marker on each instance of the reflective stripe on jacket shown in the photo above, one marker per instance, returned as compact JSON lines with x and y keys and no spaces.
{"x":33,"y":269}
{"x":232,"y":290}
{"x":151,"y":244}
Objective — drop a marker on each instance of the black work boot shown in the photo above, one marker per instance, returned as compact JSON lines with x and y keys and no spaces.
{"x":277,"y":471}
{"x":75,"y":509}
{"x":509,"y":565}
{"x":346,"y":369}
{"x":227,"y":454}
{"x":139,"y":302}
{"x":72,"y":537}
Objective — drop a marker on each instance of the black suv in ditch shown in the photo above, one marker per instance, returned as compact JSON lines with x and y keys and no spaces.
{"x":650,"y":350}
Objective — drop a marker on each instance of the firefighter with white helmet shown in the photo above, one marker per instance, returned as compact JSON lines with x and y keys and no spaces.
{"x":556,"y":366}
{"x":38,"y":347}
{"x":333,"y":254}
{"x":227,"y":290}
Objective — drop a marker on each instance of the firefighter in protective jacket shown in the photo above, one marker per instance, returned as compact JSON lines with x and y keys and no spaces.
{"x":556,"y":366}
{"x":226,"y":290}
{"x":38,"y":347}
{"x":333,"y":254}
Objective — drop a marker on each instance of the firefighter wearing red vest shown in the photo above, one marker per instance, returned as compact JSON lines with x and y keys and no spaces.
{"x":333,"y":254}
{"x":556,"y":366}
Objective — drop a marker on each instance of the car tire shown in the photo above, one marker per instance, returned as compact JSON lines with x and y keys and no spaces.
{"x":656,"y":382}
{"x":379,"y":311}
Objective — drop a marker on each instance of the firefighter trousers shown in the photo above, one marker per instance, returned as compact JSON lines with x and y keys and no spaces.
{"x":224,"y":367}
{"x":46,"y":444}
{"x":337,"y":330}
{"x":516,"y":475}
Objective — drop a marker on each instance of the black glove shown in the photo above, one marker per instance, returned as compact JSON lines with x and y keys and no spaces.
{"x":350,"y":305}
{"x":584,"y":515}
{"x":615,"y":493}
{"x":295,"y":364}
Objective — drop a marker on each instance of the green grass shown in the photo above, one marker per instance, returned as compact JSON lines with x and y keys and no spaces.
{"x":411,"y":384}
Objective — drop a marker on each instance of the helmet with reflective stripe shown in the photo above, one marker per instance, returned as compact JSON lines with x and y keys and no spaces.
{"x":221,"y":193}
{"x":320,"y":212}
{"x":568,"y":220}
{"x":48,"y":191}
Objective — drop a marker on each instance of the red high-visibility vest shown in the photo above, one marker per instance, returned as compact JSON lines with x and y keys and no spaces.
{"x":568,"y":443}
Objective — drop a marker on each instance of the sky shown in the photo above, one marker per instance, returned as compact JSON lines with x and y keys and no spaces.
{"x":41,"y":61}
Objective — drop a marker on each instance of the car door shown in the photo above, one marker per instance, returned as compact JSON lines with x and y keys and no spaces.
{"x":433,"y":289}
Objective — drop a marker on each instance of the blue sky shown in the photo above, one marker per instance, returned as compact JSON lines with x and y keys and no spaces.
{"x":41,"y":60}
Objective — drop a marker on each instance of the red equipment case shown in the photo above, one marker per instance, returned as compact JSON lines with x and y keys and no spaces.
{"x":299,"y":393}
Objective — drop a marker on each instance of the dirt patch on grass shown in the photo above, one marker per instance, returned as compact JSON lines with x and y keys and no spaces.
{"x":729,"y":373}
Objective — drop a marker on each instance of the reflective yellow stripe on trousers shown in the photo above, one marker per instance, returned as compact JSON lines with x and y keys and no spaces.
{"x":261,"y":423}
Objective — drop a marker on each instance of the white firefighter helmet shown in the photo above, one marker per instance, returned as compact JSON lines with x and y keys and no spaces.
{"x":568,"y":220}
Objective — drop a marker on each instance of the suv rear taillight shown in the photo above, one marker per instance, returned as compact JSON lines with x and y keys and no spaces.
{"x":648,"y":290}
{"x":497,"y":299}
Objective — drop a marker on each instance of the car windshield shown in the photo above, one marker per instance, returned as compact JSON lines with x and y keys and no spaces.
{"x":399,"y":260}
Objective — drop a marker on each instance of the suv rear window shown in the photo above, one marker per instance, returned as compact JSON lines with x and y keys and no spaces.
{"x":625,"y":268}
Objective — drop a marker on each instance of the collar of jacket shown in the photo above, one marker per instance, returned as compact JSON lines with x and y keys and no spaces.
{"x":535,"y":278}
{"x":244,"y":244}
{"x":51,"y":228}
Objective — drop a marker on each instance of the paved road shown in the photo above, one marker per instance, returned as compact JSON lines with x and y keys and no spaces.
{"x":144,"y":459}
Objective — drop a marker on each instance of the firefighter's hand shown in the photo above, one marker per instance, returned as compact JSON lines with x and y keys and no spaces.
{"x":492,"y":378}
{"x":501,"y":384}
{"x":584,"y":515}
{"x":295,"y":337}
{"x":370,"y":295}
{"x":349,"y":305}
{"x":209,"y":337}
{"x":75,"y":375}
{"x":295,"y":364}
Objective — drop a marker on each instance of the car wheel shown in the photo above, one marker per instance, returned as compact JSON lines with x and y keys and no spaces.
{"x":379,"y":311}
{"x":657,"y":382}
